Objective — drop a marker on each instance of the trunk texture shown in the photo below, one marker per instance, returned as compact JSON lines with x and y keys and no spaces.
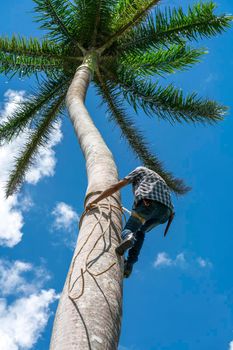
{"x":89,"y":312}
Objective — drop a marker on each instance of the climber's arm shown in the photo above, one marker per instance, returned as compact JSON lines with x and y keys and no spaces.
{"x":114,"y":188}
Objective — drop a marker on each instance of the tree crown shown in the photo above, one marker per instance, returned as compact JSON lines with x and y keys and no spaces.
{"x":131,"y":44}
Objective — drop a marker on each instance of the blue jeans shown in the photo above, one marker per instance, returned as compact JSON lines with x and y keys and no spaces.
{"x":154,"y":214}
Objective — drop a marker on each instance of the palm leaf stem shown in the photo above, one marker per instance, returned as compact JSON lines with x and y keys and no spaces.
{"x":58,"y":20}
{"x":128,"y":26}
{"x":96,"y":25}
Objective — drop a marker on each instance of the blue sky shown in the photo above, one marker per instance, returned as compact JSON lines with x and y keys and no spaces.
{"x":180,"y":294}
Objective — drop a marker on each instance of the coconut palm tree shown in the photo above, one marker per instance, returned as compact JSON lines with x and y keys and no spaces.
{"x":121,"y":47}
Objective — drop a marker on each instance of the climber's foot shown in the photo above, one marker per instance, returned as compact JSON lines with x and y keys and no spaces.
{"x":127,"y":243}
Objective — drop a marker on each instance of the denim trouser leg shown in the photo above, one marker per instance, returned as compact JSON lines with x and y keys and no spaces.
{"x":155,"y":214}
{"x":135,"y":250}
{"x":139,"y":239}
{"x":132,"y":226}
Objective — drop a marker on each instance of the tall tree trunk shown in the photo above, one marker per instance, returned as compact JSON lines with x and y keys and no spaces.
{"x":89,"y":312}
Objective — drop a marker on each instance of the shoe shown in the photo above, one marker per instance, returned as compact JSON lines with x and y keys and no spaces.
{"x":128,"y":268}
{"x":127,"y":243}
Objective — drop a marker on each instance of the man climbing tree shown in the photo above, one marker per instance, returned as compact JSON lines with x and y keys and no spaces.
{"x":152,"y":206}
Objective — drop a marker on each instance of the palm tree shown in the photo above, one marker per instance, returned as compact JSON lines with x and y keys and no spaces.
{"x":117,"y":45}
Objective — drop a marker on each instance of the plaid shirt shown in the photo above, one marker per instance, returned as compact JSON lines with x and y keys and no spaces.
{"x":148,"y":184}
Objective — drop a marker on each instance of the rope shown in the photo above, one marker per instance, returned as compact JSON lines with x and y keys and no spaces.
{"x":100,"y":208}
{"x":71,"y":285}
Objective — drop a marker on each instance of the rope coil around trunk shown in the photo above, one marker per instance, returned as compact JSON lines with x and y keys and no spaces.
{"x":83,"y":271}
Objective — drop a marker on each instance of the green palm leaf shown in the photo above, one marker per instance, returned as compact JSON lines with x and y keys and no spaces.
{"x":24,"y":57}
{"x":176,"y":57}
{"x":168,"y":103}
{"x":28,"y":111}
{"x":126,"y":15}
{"x":124,"y":41}
{"x":31,"y":47}
{"x":37,"y":139}
{"x":98,"y":14}
{"x":58,"y":18}
{"x":134,"y":137}
{"x":26,"y":66}
{"x":174,"y":26}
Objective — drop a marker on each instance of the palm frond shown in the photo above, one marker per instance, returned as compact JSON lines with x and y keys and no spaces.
{"x":176,"y":57}
{"x":38,"y":139}
{"x":31,"y":47}
{"x":58,"y":18}
{"x":22,"y":56}
{"x":174,"y":26}
{"x":168,"y":103}
{"x":30,"y":109}
{"x":92,"y":18}
{"x":85,"y":15}
{"x":134,"y":137}
{"x":11,"y":64}
{"x":127,"y":14}
{"x":103,"y":12}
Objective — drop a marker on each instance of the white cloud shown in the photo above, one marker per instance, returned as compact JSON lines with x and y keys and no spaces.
{"x":13,"y":277}
{"x":231,"y":345}
{"x":24,"y":319}
{"x":181,"y":260}
{"x":204,"y":263}
{"x":46,"y":161}
{"x":65,"y":223}
{"x":65,"y":217}
{"x":121,"y":347}
{"x":11,"y":216}
{"x":12,"y":99}
{"x":210,"y":78}
{"x":163,"y":260}
{"x":11,"y":219}
{"x":25,"y":202}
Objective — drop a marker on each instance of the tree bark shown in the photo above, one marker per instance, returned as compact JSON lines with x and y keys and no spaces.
{"x":89,"y":312}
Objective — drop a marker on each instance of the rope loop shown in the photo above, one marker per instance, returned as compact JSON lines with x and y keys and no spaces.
{"x":100,"y":208}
